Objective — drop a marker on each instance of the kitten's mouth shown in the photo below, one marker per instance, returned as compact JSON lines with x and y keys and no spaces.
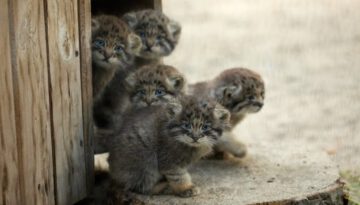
{"x":250,"y":107}
{"x":195,"y":144}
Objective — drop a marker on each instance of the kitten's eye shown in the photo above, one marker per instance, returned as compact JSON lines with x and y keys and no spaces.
{"x":205,"y":127}
{"x":159,"y":92}
{"x":118,"y":49}
{"x":142,"y":34}
{"x":186,"y":125}
{"x":141,"y":92}
{"x":99,"y":43}
{"x":262,"y":93}
{"x":251,"y":98}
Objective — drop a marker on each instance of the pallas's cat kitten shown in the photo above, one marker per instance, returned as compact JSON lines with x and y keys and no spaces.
{"x":156,"y":144}
{"x":150,"y":85}
{"x":159,"y":34}
{"x":113,"y":48}
{"x":241,"y":91}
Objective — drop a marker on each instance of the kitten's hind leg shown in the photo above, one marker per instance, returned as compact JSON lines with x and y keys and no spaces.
{"x":180,"y":183}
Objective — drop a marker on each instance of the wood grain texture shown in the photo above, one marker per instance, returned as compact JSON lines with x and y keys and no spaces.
{"x":65,"y":78}
{"x":9,"y":164}
{"x":31,"y":97}
{"x":86,"y":87}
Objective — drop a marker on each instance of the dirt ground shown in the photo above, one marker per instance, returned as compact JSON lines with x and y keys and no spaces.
{"x":308,"y":53}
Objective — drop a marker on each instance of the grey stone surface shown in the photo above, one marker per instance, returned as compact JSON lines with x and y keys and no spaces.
{"x":269,"y":174}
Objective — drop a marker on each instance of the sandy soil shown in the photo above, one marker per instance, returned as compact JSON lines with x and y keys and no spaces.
{"x":308,"y":53}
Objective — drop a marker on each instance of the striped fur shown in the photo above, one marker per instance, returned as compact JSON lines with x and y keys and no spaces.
{"x":153,"y":145}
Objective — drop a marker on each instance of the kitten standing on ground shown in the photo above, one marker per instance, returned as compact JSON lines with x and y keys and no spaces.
{"x":113,"y":48}
{"x":242,"y":92}
{"x":151,"y":152}
{"x":149,"y":86}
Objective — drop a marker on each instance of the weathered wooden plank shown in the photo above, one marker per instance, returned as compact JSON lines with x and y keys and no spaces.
{"x":9,"y":164}
{"x":32,"y":109}
{"x":86,"y":87}
{"x":65,"y":81}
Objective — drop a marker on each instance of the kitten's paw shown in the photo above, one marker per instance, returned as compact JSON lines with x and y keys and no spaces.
{"x":238,"y":150}
{"x":240,"y":153}
{"x":193,"y":191}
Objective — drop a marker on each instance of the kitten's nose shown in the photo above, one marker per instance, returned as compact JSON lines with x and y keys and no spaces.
{"x":149,"y":44}
{"x":148,"y":47}
{"x":107,"y":54}
{"x":196,"y":137}
{"x":148,"y":101}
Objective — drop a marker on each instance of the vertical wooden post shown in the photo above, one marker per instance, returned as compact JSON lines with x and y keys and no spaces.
{"x":31,"y":101}
{"x":66,"y":97}
{"x":46,"y":154}
{"x":86,"y":85}
{"x":9,"y":162}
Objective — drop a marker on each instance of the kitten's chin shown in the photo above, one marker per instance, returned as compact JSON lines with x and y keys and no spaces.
{"x":142,"y":104}
{"x":111,"y":64}
{"x":248,"y":110}
{"x":153,"y":54}
{"x":202,"y":142}
{"x":104,"y":64}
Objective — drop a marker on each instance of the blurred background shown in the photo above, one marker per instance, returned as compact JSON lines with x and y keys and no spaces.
{"x":308,"y":53}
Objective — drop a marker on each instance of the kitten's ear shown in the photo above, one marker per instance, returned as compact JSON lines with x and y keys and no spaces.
{"x":174,"y":29}
{"x":95,"y":25}
{"x":130,"y":81}
{"x":135,"y":43}
{"x":222,"y":114}
{"x":131,"y":19}
{"x":173,"y":108}
{"x":176,"y":82}
{"x":229,"y":91}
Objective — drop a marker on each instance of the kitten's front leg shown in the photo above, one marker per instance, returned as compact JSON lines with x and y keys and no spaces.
{"x":229,"y":144}
{"x":180,"y":182}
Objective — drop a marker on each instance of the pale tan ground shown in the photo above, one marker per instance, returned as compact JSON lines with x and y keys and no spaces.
{"x":308,"y":53}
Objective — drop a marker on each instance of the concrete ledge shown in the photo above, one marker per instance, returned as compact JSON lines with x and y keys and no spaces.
{"x":269,"y":175}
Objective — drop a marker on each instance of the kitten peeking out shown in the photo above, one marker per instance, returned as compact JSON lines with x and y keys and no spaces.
{"x":113,"y":47}
{"x":154,"y":85}
{"x":158,"y":33}
{"x":151,"y":152}
{"x":242,"y":92}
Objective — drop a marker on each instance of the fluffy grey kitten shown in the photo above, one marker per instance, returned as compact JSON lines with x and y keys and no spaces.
{"x":113,"y":49}
{"x":150,"y":85}
{"x":159,"y":34}
{"x":154,"y":147}
{"x":242,"y":92}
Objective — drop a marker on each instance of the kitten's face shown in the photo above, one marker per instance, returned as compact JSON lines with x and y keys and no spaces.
{"x":197,"y":122}
{"x":154,"y":85}
{"x":113,"y":44}
{"x":241,"y":91}
{"x":159,"y":34}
